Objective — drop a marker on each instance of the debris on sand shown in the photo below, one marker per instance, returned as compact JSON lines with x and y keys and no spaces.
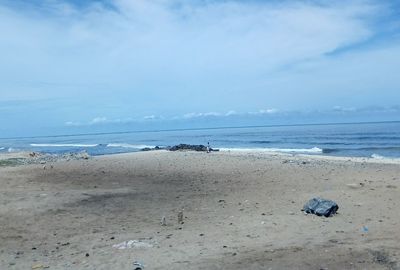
{"x":180,"y":217}
{"x":355,"y":185}
{"x":39,"y":266}
{"x":138,"y":265}
{"x":163,"y":221}
{"x":141,"y":243}
{"x":321,"y":207}
{"x":45,"y":158}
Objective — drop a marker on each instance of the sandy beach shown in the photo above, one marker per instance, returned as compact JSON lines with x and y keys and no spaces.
{"x":241,"y":210}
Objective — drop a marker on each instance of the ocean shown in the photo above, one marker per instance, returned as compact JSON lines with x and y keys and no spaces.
{"x":378,"y":140}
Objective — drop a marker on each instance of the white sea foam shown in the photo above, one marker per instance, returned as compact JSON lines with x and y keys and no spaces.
{"x":127,"y":145}
{"x":62,"y":145}
{"x":2,"y":148}
{"x":314,"y":150}
{"x":376,"y":156}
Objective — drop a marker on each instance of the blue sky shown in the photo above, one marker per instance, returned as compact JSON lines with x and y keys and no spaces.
{"x":123,"y":64}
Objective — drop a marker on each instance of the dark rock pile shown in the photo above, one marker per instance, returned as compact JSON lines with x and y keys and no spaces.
{"x":182,"y":147}
{"x":191,"y":147}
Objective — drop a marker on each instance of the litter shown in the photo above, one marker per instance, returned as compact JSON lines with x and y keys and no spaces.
{"x":180,"y":217}
{"x":163,"y":221}
{"x":138,"y":265}
{"x":142,"y":243}
{"x":321,"y":207}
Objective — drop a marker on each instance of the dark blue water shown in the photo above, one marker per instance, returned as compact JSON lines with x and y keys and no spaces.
{"x":363,"y":140}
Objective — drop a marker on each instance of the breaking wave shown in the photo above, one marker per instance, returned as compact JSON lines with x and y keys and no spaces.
{"x":62,"y":145}
{"x":127,"y":145}
{"x":314,"y":150}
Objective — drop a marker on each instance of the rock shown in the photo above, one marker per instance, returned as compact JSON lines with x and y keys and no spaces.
{"x":153,"y":149}
{"x":321,"y":207}
{"x":84,"y":155}
{"x":192,"y":147}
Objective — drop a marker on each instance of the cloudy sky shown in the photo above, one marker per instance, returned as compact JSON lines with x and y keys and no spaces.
{"x":75,"y":63}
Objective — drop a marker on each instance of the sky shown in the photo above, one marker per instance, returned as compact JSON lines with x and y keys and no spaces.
{"x":77,"y":66}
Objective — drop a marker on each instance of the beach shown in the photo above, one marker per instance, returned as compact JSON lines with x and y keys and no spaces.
{"x":241,"y":210}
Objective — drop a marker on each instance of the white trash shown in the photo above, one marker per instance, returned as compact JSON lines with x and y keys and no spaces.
{"x":138,"y":265}
{"x":146,"y":243}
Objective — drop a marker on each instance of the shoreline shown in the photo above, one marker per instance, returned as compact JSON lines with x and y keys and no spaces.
{"x":238,"y":152}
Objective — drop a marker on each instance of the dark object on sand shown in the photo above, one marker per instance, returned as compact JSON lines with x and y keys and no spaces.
{"x":153,"y":149}
{"x":193,"y":147}
{"x":190,"y":147}
{"x":321,"y":207}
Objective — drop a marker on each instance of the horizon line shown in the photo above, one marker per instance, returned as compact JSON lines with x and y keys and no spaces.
{"x":200,"y":128}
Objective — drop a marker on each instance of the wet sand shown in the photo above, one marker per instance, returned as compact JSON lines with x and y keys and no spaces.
{"x":241,"y":210}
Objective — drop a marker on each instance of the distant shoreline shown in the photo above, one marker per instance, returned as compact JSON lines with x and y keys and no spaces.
{"x":41,"y":158}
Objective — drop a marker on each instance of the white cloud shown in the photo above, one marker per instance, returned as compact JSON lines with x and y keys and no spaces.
{"x":171,"y":40}
{"x":166,"y":57}
{"x":100,"y":121}
{"x":196,"y":115}
{"x":150,"y":117}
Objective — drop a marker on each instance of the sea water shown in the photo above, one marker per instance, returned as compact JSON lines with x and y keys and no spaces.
{"x":378,"y":140}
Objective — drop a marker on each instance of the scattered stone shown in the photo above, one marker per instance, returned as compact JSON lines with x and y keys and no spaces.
{"x":87,"y":255}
